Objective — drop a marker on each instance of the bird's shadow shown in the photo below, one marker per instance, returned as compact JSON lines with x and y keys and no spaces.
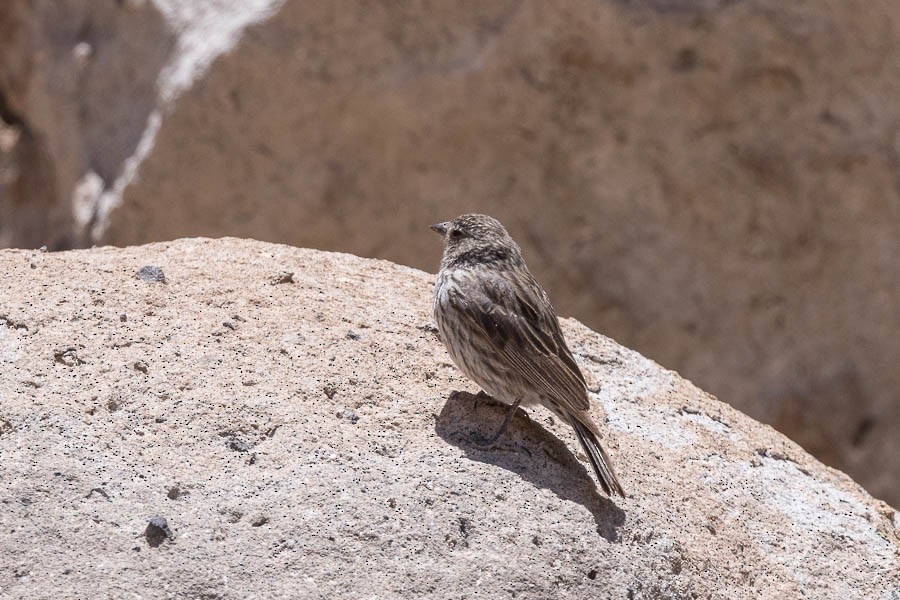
{"x":528,"y":450}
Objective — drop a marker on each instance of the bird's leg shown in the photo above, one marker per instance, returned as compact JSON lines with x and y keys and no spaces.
{"x":509,"y":415}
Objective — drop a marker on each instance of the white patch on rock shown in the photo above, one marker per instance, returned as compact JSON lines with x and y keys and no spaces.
{"x":658,"y":427}
{"x":86,"y":198}
{"x":620,"y":397}
{"x":9,"y":346}
{"x":707,"y":422}
{"x":839,"y":522}
{"x":206,"y":29}
{"x":81,"y":53}
{"x":110,"y":199}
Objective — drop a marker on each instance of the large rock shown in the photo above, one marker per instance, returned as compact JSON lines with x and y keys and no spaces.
{"x":711,"y":182}
{"x":233,"y":419}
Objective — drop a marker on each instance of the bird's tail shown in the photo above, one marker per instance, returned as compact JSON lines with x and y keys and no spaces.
{"x":599,"y":460}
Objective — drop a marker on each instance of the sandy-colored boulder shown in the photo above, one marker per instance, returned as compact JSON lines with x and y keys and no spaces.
{"x":236,"y":419}
{"x":711,"y":182}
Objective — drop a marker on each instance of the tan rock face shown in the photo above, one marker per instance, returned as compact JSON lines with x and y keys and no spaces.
{"x":235,"y":432}
{"x":712,"y":183}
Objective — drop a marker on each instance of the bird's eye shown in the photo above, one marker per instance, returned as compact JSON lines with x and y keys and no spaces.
{"x":456,"y":234}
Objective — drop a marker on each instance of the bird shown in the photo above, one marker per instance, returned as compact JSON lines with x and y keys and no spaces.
{"x":501,"y":330}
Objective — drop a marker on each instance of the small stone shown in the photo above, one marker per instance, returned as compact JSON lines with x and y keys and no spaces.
{"x":283,"y":277}
{"x":151,"y":274}
{"x":233,"y":516}
{"x":157,"y":531}
{"x":141,"y":366}
{"x":259,"y":521}
{"x":99,"y":491}
{"x":68,"y":357}
{"x":238,"y":445}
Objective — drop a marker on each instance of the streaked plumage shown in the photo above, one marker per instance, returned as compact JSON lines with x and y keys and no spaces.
{"x":500,"y":329}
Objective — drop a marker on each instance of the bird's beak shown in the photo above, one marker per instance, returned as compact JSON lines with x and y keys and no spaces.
{"x":441,"y":228}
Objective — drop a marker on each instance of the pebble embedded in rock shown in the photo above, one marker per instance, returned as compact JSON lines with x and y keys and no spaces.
{"x":152,"y":274}
{"x":158,"y":531}
{"x":68,"y":357}
{"x":283,"y":277}
{"x":259,"y":521}
{"x":348,"y":415}
{"x":238,"y":445}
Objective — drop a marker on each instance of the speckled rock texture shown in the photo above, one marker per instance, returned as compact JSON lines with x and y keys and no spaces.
{"x":712,"y":182}
{"x":249,"y":420}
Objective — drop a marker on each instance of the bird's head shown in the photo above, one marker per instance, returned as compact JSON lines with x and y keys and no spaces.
{"x":476,"y":238}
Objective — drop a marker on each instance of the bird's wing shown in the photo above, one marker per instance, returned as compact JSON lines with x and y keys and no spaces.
{"x":518,"y":322}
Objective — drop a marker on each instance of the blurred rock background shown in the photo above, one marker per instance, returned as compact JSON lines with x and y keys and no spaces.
{"x":715,"y":183}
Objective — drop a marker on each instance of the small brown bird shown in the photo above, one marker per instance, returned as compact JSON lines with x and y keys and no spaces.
{"x":501,"y":331}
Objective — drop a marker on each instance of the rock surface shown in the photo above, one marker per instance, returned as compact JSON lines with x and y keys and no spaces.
{"x":722,"y":175}
{"x":236,"y":433}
